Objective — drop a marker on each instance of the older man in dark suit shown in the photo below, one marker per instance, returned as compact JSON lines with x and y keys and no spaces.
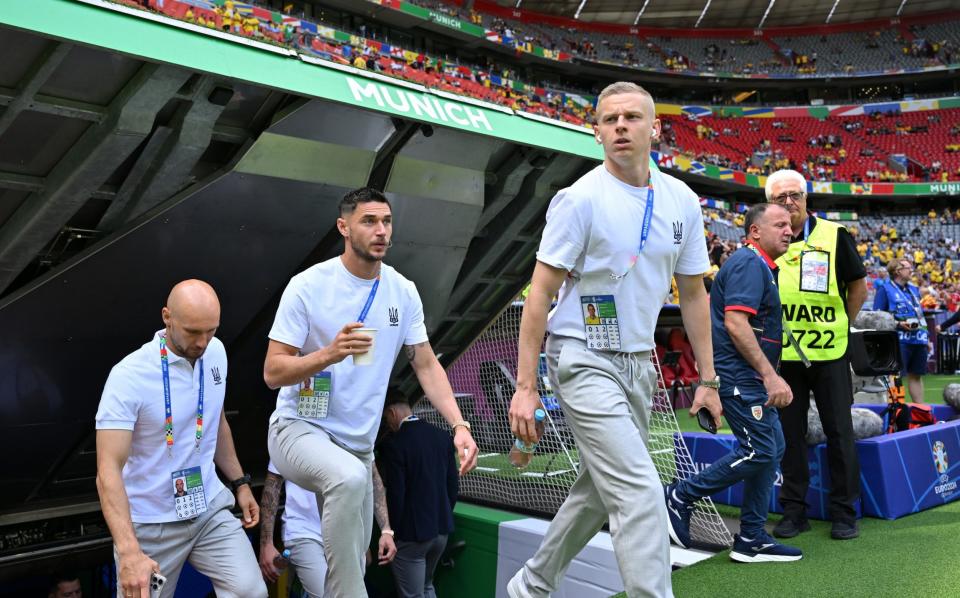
{"x":420,"y":472}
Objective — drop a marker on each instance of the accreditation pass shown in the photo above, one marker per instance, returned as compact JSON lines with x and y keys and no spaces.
{"x":313,"y":400}
{"x":600,"y":322}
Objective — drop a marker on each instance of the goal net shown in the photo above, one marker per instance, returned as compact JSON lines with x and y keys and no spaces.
{"x":484,"y":380}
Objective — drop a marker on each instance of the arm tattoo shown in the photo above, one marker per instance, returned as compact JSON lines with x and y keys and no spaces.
{"x":380,"y":500}
{"x":269,"y":500}
{"x":411,"y":350}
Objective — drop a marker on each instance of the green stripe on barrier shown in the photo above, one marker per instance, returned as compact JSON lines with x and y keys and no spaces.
{"x":474,"y":574}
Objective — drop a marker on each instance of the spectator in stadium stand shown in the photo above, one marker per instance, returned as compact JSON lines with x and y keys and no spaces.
{"x":822,"y":285}
{"x":65,"y":585}
{"x":747,"y":330}
{"x":420,"y":471}
{"x":161,"y":419}
{"x":651,"y":228}
{"x":902,"y":299}
{"x":321,"y":438}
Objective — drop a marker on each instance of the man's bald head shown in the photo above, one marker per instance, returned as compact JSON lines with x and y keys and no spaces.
{"x":194,"y":297}
{"x":192,"y":316}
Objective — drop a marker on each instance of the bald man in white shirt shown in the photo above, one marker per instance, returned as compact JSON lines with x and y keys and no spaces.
{"x":161,"y":434}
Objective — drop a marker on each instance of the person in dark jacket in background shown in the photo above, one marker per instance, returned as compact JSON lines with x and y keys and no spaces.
{"x":420,"y":472}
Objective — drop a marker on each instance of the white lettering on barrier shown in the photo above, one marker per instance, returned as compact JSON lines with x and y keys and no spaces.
{"x":949,"y":188}
{"x":457,"y":119}
{"x":448,"y":21}
{"x":400,"y":106}
{"x":439,"y":108}
{"x":369,"y":91}
{"x":947,"y":488}
{"x":477,"y":118}
{"x":420,"y":104}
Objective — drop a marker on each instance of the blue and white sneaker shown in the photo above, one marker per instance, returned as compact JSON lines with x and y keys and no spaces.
{"x":678,"y":517}
{"x":763,"y":550}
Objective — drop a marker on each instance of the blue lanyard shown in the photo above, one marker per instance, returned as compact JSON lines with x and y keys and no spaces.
{"x":168,"y":410}
{"x":806,"y":230}
{"x":647,"y":218}
{"x":644,"y":233}
{"x":366,"y":306}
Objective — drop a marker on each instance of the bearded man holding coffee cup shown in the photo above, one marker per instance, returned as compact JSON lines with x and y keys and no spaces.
{"x":338,"y":330}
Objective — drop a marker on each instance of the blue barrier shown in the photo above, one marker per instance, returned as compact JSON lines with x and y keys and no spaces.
{"x":900,"y":473}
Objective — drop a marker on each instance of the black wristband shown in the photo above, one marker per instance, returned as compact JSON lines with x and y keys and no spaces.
{"x":235,"y":484}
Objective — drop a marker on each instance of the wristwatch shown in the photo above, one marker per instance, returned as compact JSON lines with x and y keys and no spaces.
{"x":713,"y":383}
{"x":235,"y":484}
{"x":460,"y":422}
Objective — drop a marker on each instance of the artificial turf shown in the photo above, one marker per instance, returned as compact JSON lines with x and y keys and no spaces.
{"x":933,"y":392}
{"x":554,"y":466}
{"x":912,"y":556}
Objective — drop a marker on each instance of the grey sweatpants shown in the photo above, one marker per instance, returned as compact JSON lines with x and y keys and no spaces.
{"x":606,"y":399}
{"x":214,"y":543}
{"x":309,"y":563}
{"x":305,"y":455}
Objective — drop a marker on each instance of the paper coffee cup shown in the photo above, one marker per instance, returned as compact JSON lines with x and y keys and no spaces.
{"x":366,"y":358}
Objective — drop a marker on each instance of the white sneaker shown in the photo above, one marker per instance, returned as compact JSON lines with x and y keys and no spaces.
{"x":516,"y":588}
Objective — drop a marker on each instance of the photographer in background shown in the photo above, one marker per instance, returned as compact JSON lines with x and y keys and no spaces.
{"x":902,"y":299}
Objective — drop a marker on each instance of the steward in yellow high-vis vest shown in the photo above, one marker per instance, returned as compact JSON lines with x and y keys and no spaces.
{"x":822,"y":286}
{"x":812,"y":304}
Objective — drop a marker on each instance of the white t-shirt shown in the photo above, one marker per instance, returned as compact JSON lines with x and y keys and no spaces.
{"x":315,"y":306}
{"x":133,"y":400}
{"x":593,"y":231}
{"x":301,"y":516}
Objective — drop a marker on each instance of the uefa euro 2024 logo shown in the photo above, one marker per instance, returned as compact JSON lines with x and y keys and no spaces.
{"x":940,"y":457}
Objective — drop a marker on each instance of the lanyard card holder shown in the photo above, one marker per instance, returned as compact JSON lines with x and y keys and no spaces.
{"x":815,"y":271}
{"x":600,"y":322}
{"x":188,"y":495}
{"x":314,"y":397}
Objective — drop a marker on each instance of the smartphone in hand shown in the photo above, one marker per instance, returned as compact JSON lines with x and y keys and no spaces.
{"x":706,"y":420}
{"x":156,"y":585}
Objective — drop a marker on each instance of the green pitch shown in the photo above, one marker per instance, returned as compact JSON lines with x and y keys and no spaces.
{"x":554,"y":467}
{"x":933,"y":387}
{"x":873,"y":565}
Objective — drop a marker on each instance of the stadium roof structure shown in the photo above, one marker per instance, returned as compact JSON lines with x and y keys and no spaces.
{"x":739,"y":14}
{"x":136,"y":151}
